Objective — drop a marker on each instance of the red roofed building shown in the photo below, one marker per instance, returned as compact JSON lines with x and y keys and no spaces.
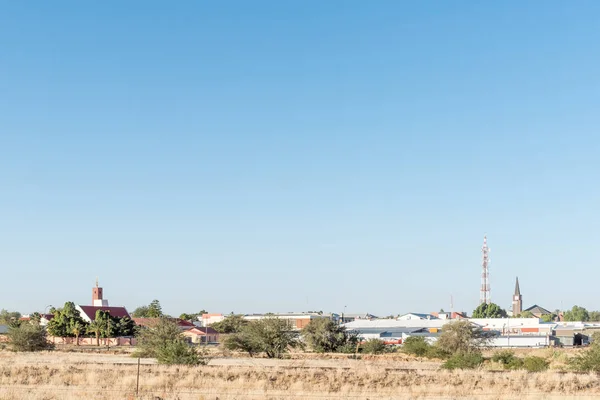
{"x":88,"y":313}
{"x":151,"y":322}
{"x":202,"y":335}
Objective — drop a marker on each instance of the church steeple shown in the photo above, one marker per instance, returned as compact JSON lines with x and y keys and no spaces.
{"x":517,"y":300}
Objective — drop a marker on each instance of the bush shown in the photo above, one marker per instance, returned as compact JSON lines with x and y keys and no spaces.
{"x":463,"y":337}
{"x":165,"y":342}
{"x":28,"y":337}
{"x":504,"y":357}
{"x":179,"y":352}
{"x":535,"y":364}
{"x":272,"y":336}
{"x":514,"y":364}
{"x":588,"y":361}
{"x":325,"y":336}
{"x":437,"y":352}
{"x":373,"y":346}
{"x":417,"y":346}
{"x":463,"y":361}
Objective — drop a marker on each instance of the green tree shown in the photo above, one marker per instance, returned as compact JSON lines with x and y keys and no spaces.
{"x":140,"y":312}
{"x":231,"y":324}
{"x":77,"y":329}
{"x":325,"y":336}
{"x":463,"y":337}
{"x":577,"y":314}
{"x":165,"y":342}
{"x":490,"y":310}
{"x":594,"y":316}
{"x":548,"y":317}
{"x":96,"y":329}
{"x":64,"y":319}
{"x":526,"y":314}
{"x":192,"y":316}
{"x":155,"y":310}
{"x":416,"y":345}
{"x":7,"y":317}
{"x":28,"y":337}
{"x":125,"y":327}
{"x":242,"y":341}
{"x":272,"y":336}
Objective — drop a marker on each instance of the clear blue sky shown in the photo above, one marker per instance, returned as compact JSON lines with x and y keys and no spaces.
{"x":286,"y":156}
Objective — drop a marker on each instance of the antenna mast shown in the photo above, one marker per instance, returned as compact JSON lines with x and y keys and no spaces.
{"x":485,"y":296}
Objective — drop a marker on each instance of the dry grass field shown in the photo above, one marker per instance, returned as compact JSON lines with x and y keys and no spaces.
{"x":59,"y":375}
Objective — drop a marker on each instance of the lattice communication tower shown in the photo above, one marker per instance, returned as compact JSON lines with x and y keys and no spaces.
{"x":485,"y":295}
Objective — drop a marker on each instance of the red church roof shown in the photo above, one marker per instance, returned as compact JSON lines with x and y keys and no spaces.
{"x":90,"y":311}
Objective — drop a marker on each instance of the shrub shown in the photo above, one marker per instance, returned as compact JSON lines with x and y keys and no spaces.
{"x":535,"y":364}
{"x":28,"y":337}
{"x":165,"y":342}
{"x":514,"y":364}
{"x":463,"y":361}
{"x":272,"y":336}
{"x":588,"y":361}
{"x":179,"y":352}
{"x":416,"y":345}
{"x":437,"y":352}
{"x":325,"y":336}
{"x":373,"y":346}
{"x":504,"y":357}
{"x":463,"y":337}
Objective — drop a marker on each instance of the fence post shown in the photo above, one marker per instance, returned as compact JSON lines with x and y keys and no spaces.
{"x":137,"y":383}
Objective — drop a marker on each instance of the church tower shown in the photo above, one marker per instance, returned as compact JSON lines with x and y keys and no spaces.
{"x":97,"y":299}
{"x":517,"y":300}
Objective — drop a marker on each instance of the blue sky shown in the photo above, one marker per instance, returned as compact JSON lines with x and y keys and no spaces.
{"x":288,"y":156}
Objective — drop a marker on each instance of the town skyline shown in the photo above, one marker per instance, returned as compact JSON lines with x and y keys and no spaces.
{"x":286,"y":157}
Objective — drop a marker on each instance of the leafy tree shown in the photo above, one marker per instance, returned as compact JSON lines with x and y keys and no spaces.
{"x":272,"y":336}
{"x":165,"y":342}
{"x":242,"y":341}
{"x":526,"y":314}
{"x":153,"y":310}
{"x":77,"y":329}
{"x":548,"y":317}
{"x":463,"y":337}
{"x":113,"y":326}
{"x":490,"y":310}
{"x":325,"y":336}
{"x":192,"y":316}
{"x":231,"y":324}
{"x":125,"y":327}
{"x":594,"y":316}
{"x":8,"y":317}
{"x":95,"y":328}
{"x":64,"y":319}
{"x":373,"y":346}
{"x":28,"y":337}
{"x":140,"y":312}
{"x":577,"y":314}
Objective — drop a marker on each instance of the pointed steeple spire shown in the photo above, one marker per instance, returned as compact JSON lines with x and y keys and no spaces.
{"x":517,"y":289}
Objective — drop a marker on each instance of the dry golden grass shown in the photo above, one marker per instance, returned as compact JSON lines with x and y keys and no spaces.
{"x":67,"y":376}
